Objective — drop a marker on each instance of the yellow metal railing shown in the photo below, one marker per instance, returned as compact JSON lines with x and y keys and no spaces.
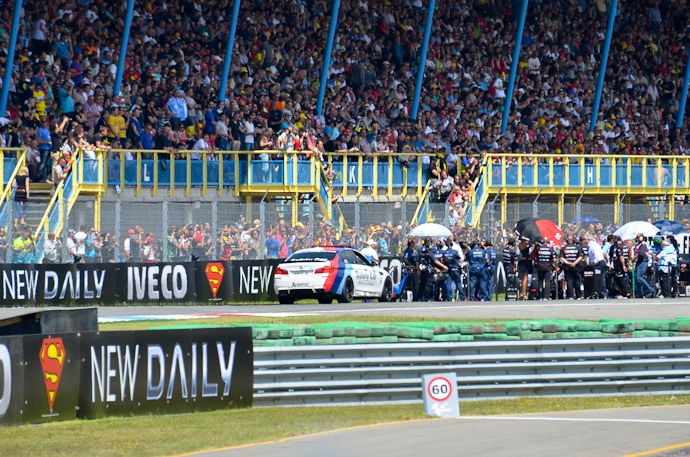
{"x":7,"y":185}
{"x":424,"y":200}
{"x":358,"y":159}
{"x":523,"y":173}
{"x":348,"y":160}
{"x":65,"y":196}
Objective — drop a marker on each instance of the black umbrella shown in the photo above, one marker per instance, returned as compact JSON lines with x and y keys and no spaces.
{"x":533,"y":229}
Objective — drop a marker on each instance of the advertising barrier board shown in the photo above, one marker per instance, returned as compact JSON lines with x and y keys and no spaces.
{"x":155,"y":283}
{"x":46,"y":378}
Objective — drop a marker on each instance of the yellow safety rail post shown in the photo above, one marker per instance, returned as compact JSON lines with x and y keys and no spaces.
{"x":236,"y":158}
{"x":420,"y":204}
{"x":21,"y":162}
{"x":360,"y":163}
{"x":137,"y":190}
{"x":346,"y":159}
{"x":389,"y":190}
{"x":375,"y":173}
{"x":122,"y":171}
{"x":403,"y":191}
{"x":204,"y":185}
{"x":221,"y":175}
{"x":188,"y":186}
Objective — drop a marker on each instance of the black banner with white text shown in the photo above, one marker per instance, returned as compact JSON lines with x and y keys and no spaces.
{"x":47,"y":378}
{"x":155,"y":283}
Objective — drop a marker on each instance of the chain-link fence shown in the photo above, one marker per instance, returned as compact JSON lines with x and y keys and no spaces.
{"x":353,"y":222}
{"x":576,"y":210}
{"x":152,"y":222}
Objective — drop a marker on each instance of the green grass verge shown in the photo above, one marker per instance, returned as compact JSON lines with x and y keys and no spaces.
{"x":154,"y":436}
{"x":292,"y":320}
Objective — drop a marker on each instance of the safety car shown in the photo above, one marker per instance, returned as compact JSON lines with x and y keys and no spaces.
{"x":330,"y":272}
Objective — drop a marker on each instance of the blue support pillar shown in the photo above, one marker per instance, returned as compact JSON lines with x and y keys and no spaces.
{"x":602,"y":67}
{"x":228,"y":50}
{"x":684,"y":94}
{"x":422,"y":58}
{"x":123,"y":47}
{"x":335,"y":10}
{"x":10,"y":57}
{"x":514,"y":65}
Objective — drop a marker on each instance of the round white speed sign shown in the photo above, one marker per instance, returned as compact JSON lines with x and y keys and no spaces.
{"x":440,"y":388}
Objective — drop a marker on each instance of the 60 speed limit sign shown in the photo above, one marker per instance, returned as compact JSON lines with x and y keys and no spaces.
{"x":439,"y":388}
{"x":441,"y":395}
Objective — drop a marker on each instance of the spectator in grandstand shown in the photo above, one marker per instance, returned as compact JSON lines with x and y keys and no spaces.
{"x":22,"y":191}
{"x":4,"y":244}
{"x":23,"y":246}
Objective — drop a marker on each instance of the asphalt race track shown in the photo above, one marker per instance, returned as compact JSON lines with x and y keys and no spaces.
{"x":602,"y":433}
{"x":634,"y":432}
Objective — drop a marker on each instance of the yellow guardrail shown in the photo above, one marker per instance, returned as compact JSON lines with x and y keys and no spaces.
{"x":347,"y":159}
{"x":7,"y":185}
{"x":523,"y":173}
{"x":424,"y":200}
{"x":358,"y":158}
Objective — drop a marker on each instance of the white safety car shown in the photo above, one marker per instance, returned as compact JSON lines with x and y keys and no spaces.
{"x":331,"y":272}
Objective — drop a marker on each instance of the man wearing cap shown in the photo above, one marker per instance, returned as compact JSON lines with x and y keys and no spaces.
{"x":71,"y":246}
{"x":489,"y":269}
{"x":369,"y":251}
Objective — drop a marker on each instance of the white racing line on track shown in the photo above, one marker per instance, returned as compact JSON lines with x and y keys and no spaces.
{"x":573,"y":419}
{"x":484,"y":305}
{"x":431,"y":305}
{"x":179,"y":317}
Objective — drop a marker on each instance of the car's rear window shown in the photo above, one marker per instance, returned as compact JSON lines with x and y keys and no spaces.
{"x":324,"y":256}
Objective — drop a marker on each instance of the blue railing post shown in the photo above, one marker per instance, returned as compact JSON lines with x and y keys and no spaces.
{"x":335,"y":10}
{"x":422,"y":58}
{"x":123,"y":47}
{"x":228,"y":50}
{"x":602,"y":67}
{"x":684,"y":94}
{"x":10,"y":57}
{"x":514,"y":65}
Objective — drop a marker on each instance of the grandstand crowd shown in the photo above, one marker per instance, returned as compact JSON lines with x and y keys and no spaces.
{"x":62,"y":92}
{"x":62,"y":95}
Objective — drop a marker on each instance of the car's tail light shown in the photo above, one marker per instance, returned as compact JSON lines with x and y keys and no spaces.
{"x":280,"y":271}
{"x":324,"y":269}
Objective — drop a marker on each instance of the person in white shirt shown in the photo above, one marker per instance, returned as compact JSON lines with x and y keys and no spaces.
{"x":202,"y":144}
{"x":595,"y":256}
{"x":369,"y":251}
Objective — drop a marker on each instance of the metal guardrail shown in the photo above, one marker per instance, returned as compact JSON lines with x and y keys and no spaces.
{"x":391,"y":373}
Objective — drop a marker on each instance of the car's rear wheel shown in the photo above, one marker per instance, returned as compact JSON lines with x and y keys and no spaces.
{"x":387,"y":292}
{"x":285,"y":300}
{"x":348,"y":292}
{"x":325,"y":300}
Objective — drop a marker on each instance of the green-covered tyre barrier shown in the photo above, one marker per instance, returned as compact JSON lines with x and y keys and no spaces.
{"x":276,"y":335}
